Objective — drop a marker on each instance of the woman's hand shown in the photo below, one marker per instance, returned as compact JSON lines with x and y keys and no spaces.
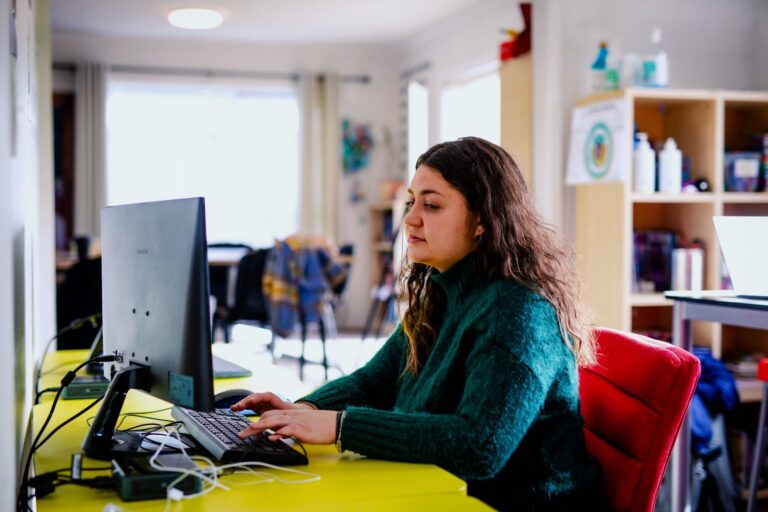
{"x":307,"y":425}
{"x":262,"y":402}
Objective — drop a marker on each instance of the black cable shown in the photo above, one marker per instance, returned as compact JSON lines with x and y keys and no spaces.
{"x":21,"y":503}
{"x":83,"y":411}
{"x":74,"y":324}
{"x":43,"y":391}
{"x":140,"y":414}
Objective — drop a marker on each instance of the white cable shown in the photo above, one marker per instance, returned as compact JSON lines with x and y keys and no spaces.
{"x":172,"y":494}
{"x":312,"y":477}
{"x":173,"y":432}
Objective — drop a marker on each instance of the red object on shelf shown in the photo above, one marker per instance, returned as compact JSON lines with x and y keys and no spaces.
{"x":521,"y":44}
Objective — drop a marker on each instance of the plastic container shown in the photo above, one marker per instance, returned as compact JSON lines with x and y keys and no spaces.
{"x":655,"y":67}
{"x":644,"y":169}
{"x":613,"y":69}
{"x":670,"y":168}
{"x":597,"y":70}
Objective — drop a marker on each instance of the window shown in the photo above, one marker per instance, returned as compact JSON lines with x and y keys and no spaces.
{"x":472,"y":107}
{"x":418,"y":123}
{"x":235,"y":144}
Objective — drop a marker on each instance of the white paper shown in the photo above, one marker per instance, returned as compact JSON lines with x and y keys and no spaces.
{"x":596,"y":151}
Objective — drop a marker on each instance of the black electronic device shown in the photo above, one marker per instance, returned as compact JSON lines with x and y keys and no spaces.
{"x":136,"y":479}
{"x":156,"y":316}
{"x":86,"y":386}
{"x":155,"y":312}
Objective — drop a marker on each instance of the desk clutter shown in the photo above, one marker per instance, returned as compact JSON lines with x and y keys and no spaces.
{"x":331,"y":481}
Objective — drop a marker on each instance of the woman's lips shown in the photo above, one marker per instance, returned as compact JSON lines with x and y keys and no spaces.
{"x":414,"y":239}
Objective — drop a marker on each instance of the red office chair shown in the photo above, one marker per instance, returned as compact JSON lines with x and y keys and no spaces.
{"x":633,"y":401}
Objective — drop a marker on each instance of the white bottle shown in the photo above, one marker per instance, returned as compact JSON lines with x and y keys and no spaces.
{"x":670,"y":168}
{"x":644,"y":169}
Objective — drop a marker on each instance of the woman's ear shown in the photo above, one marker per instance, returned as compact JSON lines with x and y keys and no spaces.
{"x":479,"y":230}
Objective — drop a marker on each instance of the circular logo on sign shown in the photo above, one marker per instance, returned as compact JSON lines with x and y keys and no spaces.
{"x":598,"y":151}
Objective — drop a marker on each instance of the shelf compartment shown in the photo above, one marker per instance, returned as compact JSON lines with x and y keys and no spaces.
{"x":688,"y":118}
{"x":744,"y":118}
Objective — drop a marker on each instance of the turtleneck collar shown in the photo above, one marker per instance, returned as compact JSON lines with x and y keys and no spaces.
{"x":458,"y":279}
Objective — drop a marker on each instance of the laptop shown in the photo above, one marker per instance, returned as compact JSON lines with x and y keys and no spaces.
{"x":744,"y":242}
{"x":222,"y":369}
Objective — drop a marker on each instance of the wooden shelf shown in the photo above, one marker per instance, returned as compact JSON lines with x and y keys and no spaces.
{"x":745,"y":197}
{"x":382,"y":246}
{"x":703,"y":123}
{"x":750,"y":390}
{"x":702,"y":197}
{"x":382,"y":206}
{"x":649,"y":300}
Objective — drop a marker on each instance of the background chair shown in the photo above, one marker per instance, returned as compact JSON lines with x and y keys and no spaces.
{"x":250,"y":305}
{"x":222,"y":279}
{"x":633,"y":401}
{"x":78,"y":296}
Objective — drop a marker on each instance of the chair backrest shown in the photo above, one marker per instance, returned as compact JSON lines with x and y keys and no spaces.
{"x":250,"y":303}
{"x":77,"y":297}
{"x":633,"y":401}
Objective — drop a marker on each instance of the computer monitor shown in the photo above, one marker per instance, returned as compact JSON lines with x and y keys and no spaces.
{"x":156,"y":316}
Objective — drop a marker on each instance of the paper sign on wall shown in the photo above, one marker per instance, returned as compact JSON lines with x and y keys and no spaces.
{"x":596,"y":152}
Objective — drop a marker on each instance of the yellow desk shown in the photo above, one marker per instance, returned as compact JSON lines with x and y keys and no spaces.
{"x":348,"y":482}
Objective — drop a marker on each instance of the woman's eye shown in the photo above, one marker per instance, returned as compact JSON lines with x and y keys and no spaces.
{"x":408,"y":205}
{"x":430,"y":206}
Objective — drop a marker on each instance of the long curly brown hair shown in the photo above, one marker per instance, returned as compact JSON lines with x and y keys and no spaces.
{"x":516,"y":244}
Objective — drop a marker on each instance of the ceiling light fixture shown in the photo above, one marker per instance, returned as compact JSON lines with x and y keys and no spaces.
{"x":195,"y":19}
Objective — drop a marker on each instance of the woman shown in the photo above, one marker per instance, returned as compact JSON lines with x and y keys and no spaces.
{"x":481,"y":375}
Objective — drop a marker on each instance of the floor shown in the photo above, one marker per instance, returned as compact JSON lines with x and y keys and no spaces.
{"x":346,"y":353}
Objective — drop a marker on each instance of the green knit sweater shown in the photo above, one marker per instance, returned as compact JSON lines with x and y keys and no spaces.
{"x":495,"y":402}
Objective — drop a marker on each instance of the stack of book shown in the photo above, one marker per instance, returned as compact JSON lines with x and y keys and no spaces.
{"x":652,"y":269}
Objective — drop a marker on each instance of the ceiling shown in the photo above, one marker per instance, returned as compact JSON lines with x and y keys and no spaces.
{"x":384,"y":22}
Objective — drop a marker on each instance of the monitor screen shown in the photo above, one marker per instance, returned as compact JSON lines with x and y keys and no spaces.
{"x":155,"y":314}
{"x":156,"y":309}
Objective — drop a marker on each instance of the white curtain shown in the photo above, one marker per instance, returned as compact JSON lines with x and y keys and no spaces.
{"x":321,"y":156}
{"x":90,"y":154}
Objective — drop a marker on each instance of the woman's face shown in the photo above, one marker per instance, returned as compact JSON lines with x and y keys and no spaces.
{"x":439,"y":227}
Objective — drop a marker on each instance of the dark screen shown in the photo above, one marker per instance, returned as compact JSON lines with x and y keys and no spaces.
{"x":156,"y":308}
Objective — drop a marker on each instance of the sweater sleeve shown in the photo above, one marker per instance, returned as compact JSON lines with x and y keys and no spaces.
{"x":501,"y":399}
{"x":374,"y":385}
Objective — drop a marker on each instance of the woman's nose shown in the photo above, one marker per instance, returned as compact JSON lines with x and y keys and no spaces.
{"x":410,"y":219}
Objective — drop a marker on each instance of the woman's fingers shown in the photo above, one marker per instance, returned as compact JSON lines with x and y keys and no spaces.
{"x":261,"y":402}
{"x":259,"y":426}
{"x":317,"y":427}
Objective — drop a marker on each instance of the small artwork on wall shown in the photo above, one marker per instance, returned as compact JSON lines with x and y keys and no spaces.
{"x":357,"y":143}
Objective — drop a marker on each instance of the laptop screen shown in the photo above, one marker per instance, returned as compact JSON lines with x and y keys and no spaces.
{"x":744,"y":243}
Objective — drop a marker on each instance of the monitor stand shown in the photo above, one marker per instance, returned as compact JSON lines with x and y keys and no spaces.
{"x":102,"y":441}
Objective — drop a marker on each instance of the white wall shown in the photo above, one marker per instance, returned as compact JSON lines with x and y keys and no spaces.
{"x":760,"y":46}
{"x":373,"y":103}
{"x":710,"y":44}
{"x":8,"y":220}
{"x":25,"y":307}
{"x":459,"y":45}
